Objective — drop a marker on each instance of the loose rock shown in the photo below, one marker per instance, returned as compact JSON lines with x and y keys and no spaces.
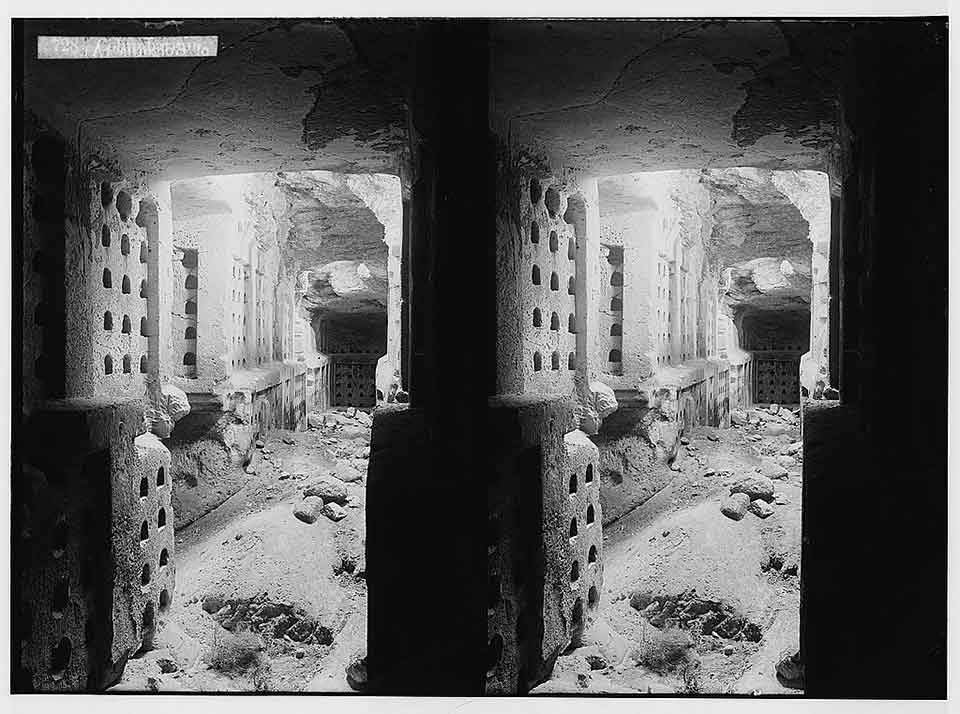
{"x":309,"y":510}
{"x":761,"y":509}
{"x":334,"y":511}
{"x":328,"y":488}
{"x":790,"y":668}
{"x":754,"y":487}
{"x":735,"y":506}
{"x":772,"y":469}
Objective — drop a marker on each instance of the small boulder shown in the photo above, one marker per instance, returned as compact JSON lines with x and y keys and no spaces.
{"x":344,"y":471}
{"x":334,"y":511}
{"x":315,"y":420}
{"x":761,"y":509}
{"x":774,"y":408}
{"x":309,"y":509}
{"x":735,"y":506}
{"x":754,"y":487}
{"x":604,"y":401}
{"x":260,"y":443}
{"x":175,"y":402}
{"x":357,"y":674}
{"x":738,"y":417}
{"x":790,"y":668}
{"x":328,"y":488}
{"x":772,"y":469}
{"x":786,"y":461}
{"x":777,"y":429}
{"x":712,"y":437}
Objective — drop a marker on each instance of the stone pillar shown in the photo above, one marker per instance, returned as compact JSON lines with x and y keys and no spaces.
{"x":588,"y":256}
{"x":640,"y":249}
{"x":214,"y":299}
{"x":675,"y":335}
{"x":163,"y":280}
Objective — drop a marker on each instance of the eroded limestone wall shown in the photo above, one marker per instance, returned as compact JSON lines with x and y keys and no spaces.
{"x":91,"y":580}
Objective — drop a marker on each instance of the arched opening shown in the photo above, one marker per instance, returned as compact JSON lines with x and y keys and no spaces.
{"x":534,"y":232}
{"x":108,"y":364}
{"x":124,"y":244}
{"x":536,"y":191}
{"x":162,"y":518}
{"x":535,"y":275}
{"x":616,"y":330}
{"x":572,"y":361}
{"x":555,"y":360}
{"x":537,"y":318}
{"x":125,"y":328}
{"x":189,"y":359}
{"x":551,"y":200}
{"x":555,"y":322}
{"x":614,"y":356}
{"x":124,"y":205}
{"x":127,"y":364}
{"x":107,"y":278}
{"x":554,"y":242}
{"x":191,"y":282}
{"x":590,"y":514}
{"x":105,"y":236}
{"x":572,"y":323}
{"x":573,"y":483}
{"x":573,"y":528}
{"x":125,"y":285}
{"x":107,"y":320}
{"x":537,"y":362}
{"x":190,"y":333}
{"x":554,"y":281}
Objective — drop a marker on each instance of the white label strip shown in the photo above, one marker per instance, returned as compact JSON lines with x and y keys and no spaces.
{"x":50,"y":47}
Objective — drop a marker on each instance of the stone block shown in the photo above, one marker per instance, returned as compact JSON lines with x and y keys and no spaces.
{"x":93,"y":549}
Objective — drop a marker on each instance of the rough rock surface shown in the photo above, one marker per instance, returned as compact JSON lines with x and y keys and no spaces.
{"x":604,"y":400}
{"x":328,"y":488}
{"x":761,"y":509}
{"x":754,"y":487}
{"x":175,"y":402}
{"x":309,"y":510}
{"x":735,"y":506}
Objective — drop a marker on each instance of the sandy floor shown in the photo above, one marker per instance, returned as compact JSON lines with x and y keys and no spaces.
{"x":252,"y":549}
{"x":678,"y":541}
{"x":294,"y":594}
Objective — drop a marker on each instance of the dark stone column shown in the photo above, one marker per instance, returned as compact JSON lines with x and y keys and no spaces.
{"x":426,"y":482}
{"x":874,"y":560}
